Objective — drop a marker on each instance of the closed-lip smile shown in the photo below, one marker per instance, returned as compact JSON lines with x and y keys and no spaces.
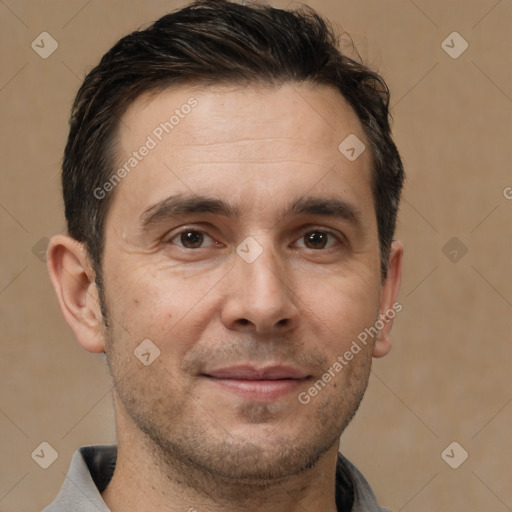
{"x":266,"y":383}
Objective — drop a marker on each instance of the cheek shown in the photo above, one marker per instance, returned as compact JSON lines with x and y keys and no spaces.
{"x":139,"y":296}
{"x":344,"y":305}
{"x":161,"y":306}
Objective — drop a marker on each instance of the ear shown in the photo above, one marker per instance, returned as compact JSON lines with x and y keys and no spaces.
{"x":73,"y":280}
{"x":388,"y":307}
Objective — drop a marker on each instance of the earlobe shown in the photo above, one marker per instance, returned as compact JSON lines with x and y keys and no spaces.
{"x":73,"y":280}
{"x":389,"y":307}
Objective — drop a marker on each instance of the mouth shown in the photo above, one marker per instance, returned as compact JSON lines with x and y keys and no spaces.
{"x":260,"y":384}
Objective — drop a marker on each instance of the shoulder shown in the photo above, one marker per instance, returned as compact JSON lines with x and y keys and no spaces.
{"x":90,"y":471}
{"x":364,"y":499}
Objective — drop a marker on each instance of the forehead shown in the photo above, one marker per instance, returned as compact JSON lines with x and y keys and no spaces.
{"x":252,"y":144}
{"x":310,"y":113}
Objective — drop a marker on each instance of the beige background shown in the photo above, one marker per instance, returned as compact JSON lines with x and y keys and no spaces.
{"x":448,"y":376}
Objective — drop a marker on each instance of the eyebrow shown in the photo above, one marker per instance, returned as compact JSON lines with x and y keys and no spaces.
{"x":181,"y":205}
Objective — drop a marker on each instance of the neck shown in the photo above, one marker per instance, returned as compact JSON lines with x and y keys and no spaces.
{"x":145,"y":480}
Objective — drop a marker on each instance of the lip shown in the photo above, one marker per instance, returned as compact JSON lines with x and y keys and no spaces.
{"x":247,"y":372}
{"x":260,"y":384}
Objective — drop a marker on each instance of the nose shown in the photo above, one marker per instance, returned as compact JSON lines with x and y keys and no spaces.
{"x":259,"y":296}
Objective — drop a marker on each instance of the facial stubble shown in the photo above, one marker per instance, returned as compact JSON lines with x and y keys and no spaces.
{"x":186,"y":436}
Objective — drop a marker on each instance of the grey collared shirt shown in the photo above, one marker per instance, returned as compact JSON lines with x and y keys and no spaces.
{"x":92,"y":468}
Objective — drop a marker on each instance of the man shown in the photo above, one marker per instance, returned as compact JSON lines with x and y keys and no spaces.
{"x":231,"y":190}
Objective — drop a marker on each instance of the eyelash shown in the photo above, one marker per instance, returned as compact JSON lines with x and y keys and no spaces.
{"x":193,"y":230}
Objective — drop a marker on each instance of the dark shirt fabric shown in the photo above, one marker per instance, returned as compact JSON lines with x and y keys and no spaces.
{"x":92,"y":468}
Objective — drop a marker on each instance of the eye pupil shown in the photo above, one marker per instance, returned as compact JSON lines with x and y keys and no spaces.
{"x":191,"y":238}
{"x":316,"y":237}
{"x":194,"y":239}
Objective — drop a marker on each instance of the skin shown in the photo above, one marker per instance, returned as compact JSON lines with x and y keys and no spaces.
{"x":185,"y":441}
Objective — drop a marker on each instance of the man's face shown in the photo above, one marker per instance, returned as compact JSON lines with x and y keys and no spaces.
{"x":249,"y":307}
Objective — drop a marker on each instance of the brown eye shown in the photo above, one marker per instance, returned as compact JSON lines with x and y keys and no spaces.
{"x":190,"y":239}
{"x":318,"y":239}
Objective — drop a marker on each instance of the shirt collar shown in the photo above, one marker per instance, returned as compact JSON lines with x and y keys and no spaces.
{"x":92,"y":468}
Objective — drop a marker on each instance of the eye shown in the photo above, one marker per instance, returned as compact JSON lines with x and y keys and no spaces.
{"x":190,"y":239}
{"x":319,"y":239}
